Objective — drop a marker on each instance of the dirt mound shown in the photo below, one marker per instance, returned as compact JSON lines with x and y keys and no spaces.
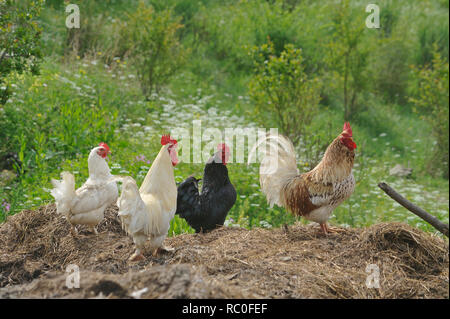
{"x":171,"y":281}
{"x":290,"y":262}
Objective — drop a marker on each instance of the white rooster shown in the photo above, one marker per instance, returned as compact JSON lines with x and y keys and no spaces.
{"x":147,"y":212}
{"x":87,"y":204}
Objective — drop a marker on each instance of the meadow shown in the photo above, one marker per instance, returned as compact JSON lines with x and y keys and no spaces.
{"x":93,"y":92}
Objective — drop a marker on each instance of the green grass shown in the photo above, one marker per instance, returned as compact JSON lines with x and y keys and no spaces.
{"x":52,"y":120}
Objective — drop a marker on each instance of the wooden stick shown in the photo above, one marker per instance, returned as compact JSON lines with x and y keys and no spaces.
{"x":433,"y":221}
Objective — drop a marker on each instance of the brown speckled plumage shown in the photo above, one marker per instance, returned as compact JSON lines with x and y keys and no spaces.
{"x":323,"y":183}
{"x":315,"y":194}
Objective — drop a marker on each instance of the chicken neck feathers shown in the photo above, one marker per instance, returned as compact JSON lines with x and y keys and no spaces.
{"x":160,"y":181}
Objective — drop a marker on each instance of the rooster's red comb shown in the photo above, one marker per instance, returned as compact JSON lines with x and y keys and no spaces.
{"x":348,"y":129}
{"x":166,"y":139}
{"x":105,"y":146}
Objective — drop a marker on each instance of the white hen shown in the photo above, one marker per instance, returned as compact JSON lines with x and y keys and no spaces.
{"x":147,"y":212}
{"x":87,"y":204}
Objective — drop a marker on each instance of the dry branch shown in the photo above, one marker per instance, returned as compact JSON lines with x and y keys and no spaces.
{"x":433,"y":221}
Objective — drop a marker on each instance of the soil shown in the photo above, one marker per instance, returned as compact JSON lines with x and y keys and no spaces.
{"x":297,"y":261}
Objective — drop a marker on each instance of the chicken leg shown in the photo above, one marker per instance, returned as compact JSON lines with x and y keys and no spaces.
{"x":162,"y":250}
{"x":94,"y":230}
{"x":139,"y":241}
{"x":73,"y":230}
{"x":137,"y":256}
{"x":327,"y":229}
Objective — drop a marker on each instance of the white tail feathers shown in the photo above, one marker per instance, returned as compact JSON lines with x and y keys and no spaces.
{"x":135,"y":214}
{"x":128,"y":201}
{"x":64,"y":192}
{"x":278,"y":166}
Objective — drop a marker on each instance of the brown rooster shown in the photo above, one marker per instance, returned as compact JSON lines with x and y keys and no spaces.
{"x":315,"y":194}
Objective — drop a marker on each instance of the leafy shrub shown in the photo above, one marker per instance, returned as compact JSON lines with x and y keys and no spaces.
{"x":230,"y":30}
{"x":432,"y":33}
{"x":347,"y":56}
{"x":57,"y":4}
{"x":186,"y":9}
{"x":390,"y":71}
{"x":388,"y":19}
{"x":42,"y":131}
{"x":280,"y":88}
{"x":152,"y":43}
{"x":432,"y":100}
{"x":99,"y":21}
{"x":90,"y":36}
{"x":19,"y":39}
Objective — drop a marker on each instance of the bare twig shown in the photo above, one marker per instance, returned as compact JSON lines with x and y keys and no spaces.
{"x":433,"y":221}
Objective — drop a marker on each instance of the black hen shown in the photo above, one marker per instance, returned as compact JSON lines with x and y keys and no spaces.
{"x":207,"y":210}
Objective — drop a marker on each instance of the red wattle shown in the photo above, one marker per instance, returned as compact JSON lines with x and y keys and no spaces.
{"x":173,"y":157}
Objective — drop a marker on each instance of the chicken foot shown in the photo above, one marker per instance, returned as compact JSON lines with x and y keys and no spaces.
{"x":94,"y":230}
{"x":162,"y":250}
{"x":137,"y":256}
{"x":73,"y":230}
{"x":328,"y":230}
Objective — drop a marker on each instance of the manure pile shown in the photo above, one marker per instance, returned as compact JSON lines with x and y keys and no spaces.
{"x":290,"y":262}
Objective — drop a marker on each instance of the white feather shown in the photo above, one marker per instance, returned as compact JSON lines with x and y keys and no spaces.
{"x":277,"y":166}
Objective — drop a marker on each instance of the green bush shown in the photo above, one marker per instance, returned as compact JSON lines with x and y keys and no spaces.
{"x":432,"y":100}
{"x":229,"y":30}
{"x":153,"y":46}
{"x":282,"y":90}
{"x":90,"y":37}
{"x":186,"y":9}
{"x":347,"y":55}
{"x":97,"y":35}
{"x":432,"y":33}
{"x":37,"y":130}
{"x":19,"y":39}
{"x":390,"y":70}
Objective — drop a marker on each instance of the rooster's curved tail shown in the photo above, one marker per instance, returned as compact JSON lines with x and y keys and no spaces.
{"x":278,"y":165}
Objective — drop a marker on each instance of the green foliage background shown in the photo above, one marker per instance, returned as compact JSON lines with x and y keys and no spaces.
{"x":390,"y":83}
